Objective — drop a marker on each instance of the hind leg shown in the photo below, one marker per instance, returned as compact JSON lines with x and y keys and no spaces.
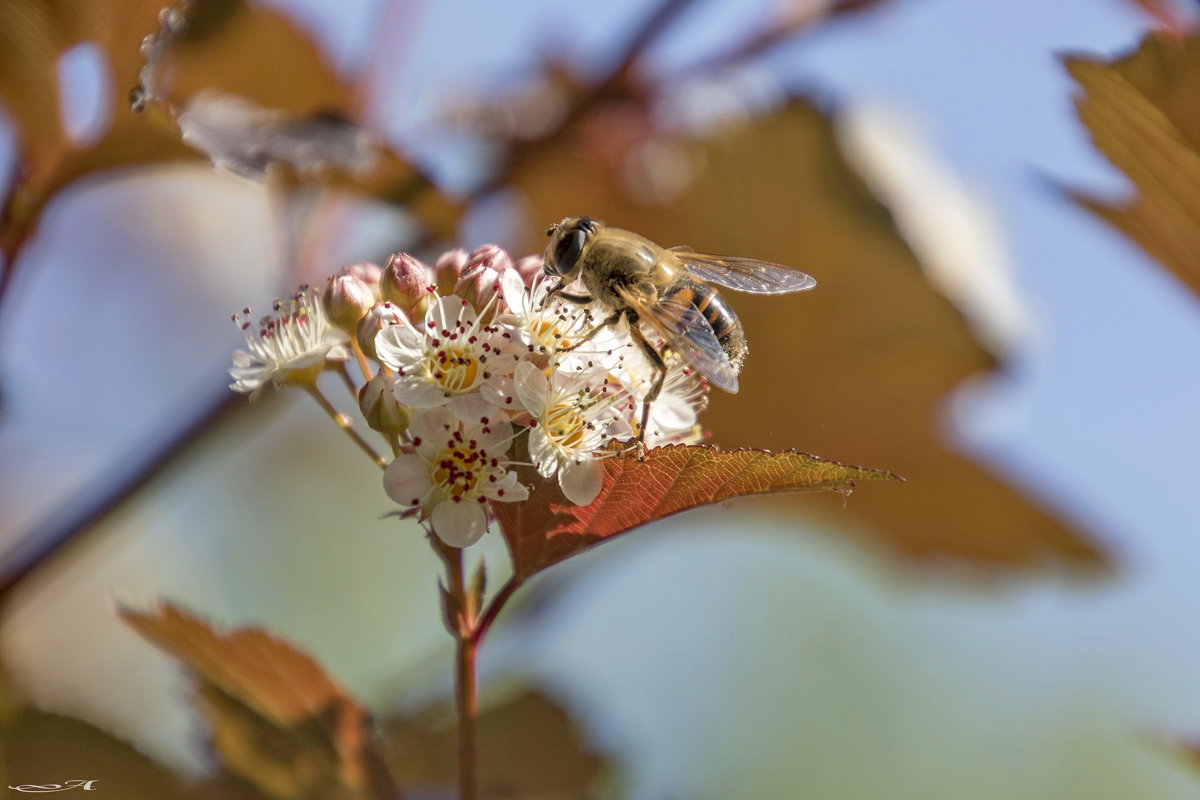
{"x":660,"y":370}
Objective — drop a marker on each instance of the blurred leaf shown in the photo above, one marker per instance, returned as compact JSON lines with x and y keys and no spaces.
{"x":248,"y":50}
{"x":277,"y":719}
{"x":41,"y":748}
{"x":252,"y":90}
{"x":545,"y":529}
{"x":226,"y":46}
{"x":34,"y":34}
{"x":1144,"y":115}
{"x":862,"y":367}
{"x":528,"y":748}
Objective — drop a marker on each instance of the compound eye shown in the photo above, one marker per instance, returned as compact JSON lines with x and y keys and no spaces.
{"x":568,"y":250}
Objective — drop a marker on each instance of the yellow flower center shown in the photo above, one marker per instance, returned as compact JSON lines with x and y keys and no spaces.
{"x":455,"y":369}
{"x":545,"y":332}
{"x":566,"y":426}
{"x":458,"y":471}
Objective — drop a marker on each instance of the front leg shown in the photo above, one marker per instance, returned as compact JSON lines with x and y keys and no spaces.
{"x":557,"y":291}
{"x":587,"y":337}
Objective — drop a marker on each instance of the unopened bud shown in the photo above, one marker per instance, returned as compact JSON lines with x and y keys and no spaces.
{"x":379,"y":406}
{"x":406,"y":281}
{"x":530,"y":267}
{"x":348,"y":297}
{"x":481,"y":277}
{"x":449,"y":269}
{"x":366,"y":272}
{"x":377,"y":319}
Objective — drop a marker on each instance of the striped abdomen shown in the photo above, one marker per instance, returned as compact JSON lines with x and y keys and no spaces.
{"x":724,"y":322}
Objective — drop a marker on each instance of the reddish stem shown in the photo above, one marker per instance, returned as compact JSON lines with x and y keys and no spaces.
{"x":467,"y":693}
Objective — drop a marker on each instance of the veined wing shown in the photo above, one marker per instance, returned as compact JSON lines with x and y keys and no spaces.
{"x":744,"y":274}
{"x":687,"y":332}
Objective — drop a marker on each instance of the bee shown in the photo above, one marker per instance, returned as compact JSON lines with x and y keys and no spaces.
{"x":666,"y":290}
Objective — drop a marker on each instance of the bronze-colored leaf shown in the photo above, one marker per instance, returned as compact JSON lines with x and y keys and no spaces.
{"x":248,"y":50}
{"x":253,"y":91}
{"x":529,"y":747}
{"x":1143,"y":115}
{"x":545,"y":529}
{"x":34,"y":35}
{"x":228,"y":48}
{"x":277,"y":719}
{"x":859,"y":369}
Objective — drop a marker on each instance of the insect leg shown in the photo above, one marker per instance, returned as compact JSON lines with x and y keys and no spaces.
{"x":557,"y":291}
{"x":660,"y":368}
{"x":613,"y":320}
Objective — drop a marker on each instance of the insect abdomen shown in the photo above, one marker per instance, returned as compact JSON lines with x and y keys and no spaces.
{"x":724,"y":322}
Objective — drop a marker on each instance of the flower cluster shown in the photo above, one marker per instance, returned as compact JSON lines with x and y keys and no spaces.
{"x":473,"y":369}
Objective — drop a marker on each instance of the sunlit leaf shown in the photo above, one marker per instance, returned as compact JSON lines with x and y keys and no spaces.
{"x":1143,"y":114}
{"x":859,"y":369}
{"x":546,"y":529}
{"x":277,"y":719}
{"x":529,"y":747}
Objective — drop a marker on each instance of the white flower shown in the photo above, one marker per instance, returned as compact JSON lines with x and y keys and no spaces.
{"x":455,"y":470}
{"x":452,"y":360}
{"x":571,"y":413}
{"x":548,"y":325}
{"x":291,"y":345}
{"x":674,"y":414}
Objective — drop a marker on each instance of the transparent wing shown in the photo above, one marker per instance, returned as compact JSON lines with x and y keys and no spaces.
{"x":744,"y":274}
{"x":687,"y":332}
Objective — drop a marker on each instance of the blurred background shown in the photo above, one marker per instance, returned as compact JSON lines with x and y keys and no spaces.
{"x":1017,"y":620}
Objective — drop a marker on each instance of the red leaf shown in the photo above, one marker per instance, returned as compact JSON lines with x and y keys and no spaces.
{"x":545,"y":529}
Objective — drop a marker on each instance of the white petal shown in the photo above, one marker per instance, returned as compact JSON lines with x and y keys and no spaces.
{"x":473,"y":409}
{"x":459,"y":524}
{"x":504,"y":351}
{"x":242,"y":359}
{"x":432,"y":425}
{"x":447,"y":313}
{"x":507,"y":490}
{"x":400,"y":345}
{"x":497,"y":436}
{"x":513,"y":290}
{"x":581,"y":482}
{"x":418,"y":392}
{"x":542,"y":452}
{"x":406,"y":480}
{"x":500,"y":392}
{"x":532,"y":388}
{"x":672,"y":412}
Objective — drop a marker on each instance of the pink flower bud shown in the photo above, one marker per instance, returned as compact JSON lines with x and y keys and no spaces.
{"x":379,"y":406}
{"x":366,"y":272}
{"x":348,"y":297}
{"x":448,"y":269}
{"x":480,"y":278}
{"x":530,"y":267}
{"x":377,"y":319}
{"x":406,"y":281}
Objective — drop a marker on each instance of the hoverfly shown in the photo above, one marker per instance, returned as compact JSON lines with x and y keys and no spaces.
{"x":668,"y":291}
